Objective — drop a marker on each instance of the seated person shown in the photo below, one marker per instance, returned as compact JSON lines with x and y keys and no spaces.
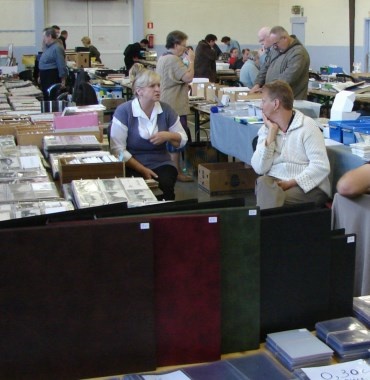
{"x":140,"y":130}
{"x":83,"y":93}
{"x":355,"y":182}
{"x":250,"y":69}
{"x":234,"y":52}
{"x":94,"y":52}
{"x":290,"y":153}
{"x":240,"y":62}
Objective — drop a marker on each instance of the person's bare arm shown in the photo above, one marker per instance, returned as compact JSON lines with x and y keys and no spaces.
{"x":355,"y":182}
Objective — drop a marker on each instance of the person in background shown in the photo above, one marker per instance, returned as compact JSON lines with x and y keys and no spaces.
{"x":83,"y":93}
{"x":234,"y":53}
{"x":52,"y":66}
{"x":133,"y":51}
{"x":205,"y":58}
{"x":231,"y":44}
{"x":141,"y":129}
{"x":250,"y":69}
{"x":290,"y":63}
{"x":290,"y":155}
{"x":94,"y":52}
{"x":355,"y":182}
{"x":240,"y":62}
{"x":57,"y":30}
{"x":175,"y":79}
{"x":63,"y":37}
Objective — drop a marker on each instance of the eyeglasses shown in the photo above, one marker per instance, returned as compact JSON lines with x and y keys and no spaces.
{"x":275,"y":44}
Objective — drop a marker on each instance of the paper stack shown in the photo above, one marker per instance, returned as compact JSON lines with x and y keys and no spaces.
{"x":347,"y":336}
{"x":298,"y":348}
{"x":361,"y":149}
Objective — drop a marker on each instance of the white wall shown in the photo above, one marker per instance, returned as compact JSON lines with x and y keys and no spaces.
{"x":326,"y":29}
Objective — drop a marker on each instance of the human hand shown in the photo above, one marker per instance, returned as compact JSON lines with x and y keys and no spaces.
{"x":270,"y":124}
{"x":190,"y":55}
{"x":256,"y":88}
{"x":273,"y":129}
{"x":286,"y":185}
{"x":159,"y":138}
{"x":149,"y":174}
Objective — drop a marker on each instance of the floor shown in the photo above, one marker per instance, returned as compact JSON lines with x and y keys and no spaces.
{"x":190,"y":190}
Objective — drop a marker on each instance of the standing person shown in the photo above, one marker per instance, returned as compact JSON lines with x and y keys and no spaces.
{"x":52,"y":65}
{"x":291,"y":63}
{"x":57,"y":30}
{"x":94,"y":52}
{"x":231,"y":44}
{"x":205,"y":58}
{"x":290,"y":154}
{"x":250,"y":69}
{"x":63,"y":37}
{"x":140,"y":130}
{"x":175,"y":79}
{"x":132,"y":52}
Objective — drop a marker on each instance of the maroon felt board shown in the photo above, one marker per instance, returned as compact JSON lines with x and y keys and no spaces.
{"x":187,"y":286}
{"x":76,"y":300}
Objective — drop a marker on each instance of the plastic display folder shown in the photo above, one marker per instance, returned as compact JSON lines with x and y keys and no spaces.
{"x":220,"y":370}
{"x":260,"y":367}
{"x":361,"y":309}
{"x":348,"y":337}
{"x":76,"y":300}
{"x":325,"y":328}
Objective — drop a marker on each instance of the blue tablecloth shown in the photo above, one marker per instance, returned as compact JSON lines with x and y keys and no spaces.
{"x":235,"y":139}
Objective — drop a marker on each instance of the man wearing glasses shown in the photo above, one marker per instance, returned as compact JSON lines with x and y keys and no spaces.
{"x":290,"y":63}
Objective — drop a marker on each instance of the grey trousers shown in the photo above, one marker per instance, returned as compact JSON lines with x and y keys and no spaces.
{"x":270,"y":195}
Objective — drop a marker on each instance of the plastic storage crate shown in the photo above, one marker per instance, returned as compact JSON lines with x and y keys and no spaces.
{"x":342,"y":130}
{"x":107,"y":92}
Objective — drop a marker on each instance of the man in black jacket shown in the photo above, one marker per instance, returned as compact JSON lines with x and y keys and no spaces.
{"x":205,"y":58}
{"x":132,"y":52}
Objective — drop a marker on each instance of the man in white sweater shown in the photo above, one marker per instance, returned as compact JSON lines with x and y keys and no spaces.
{"x":290,"y":153}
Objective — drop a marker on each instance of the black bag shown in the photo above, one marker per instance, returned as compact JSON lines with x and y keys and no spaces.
{"x":200,"y":152}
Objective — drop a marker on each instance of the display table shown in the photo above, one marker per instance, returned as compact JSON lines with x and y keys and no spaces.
{"x":235,"y":139}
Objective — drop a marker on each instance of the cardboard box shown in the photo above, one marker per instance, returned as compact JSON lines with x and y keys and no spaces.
{"x":28,"y":137}
{"x":226,"y":177}
{"x":82,"y":59}
{"x":212,"y":91}
{"x":69,"y":172}
{"x":111,"y":104}
{"x":77,"y":121}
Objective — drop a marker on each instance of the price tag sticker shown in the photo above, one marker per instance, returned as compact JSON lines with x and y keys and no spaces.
{"x":353,"y":370}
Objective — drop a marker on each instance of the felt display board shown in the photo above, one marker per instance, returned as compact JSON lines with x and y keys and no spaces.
{"x":240,"y":275}
{"x":342,"y":278}
{"x":295,"y":269}
{"x":240,"y":278}
{"x":76,"y":300}
{"x":187,"y":286}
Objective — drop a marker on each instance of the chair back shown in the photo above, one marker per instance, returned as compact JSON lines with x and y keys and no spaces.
{"x":54,"y":91}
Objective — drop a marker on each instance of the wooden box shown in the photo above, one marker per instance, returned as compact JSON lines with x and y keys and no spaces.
{"x":69,"y":172}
